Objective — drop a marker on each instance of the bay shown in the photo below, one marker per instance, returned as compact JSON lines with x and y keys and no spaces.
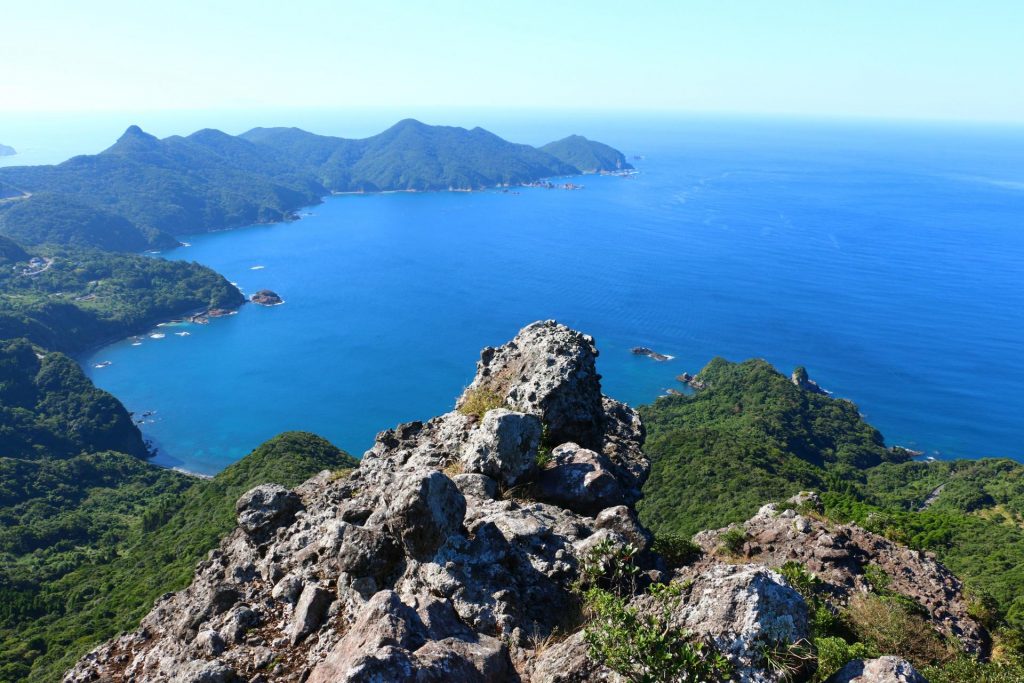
{"x":886,"y":258}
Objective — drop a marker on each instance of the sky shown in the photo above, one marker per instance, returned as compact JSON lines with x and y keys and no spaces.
{"x":935,"y":59}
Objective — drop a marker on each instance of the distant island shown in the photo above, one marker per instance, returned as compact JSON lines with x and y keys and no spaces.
{"x":142,"y":191}
{"x":7,"y":151}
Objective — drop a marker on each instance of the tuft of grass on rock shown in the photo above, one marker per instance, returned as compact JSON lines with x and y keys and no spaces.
{"x":479,"y":401}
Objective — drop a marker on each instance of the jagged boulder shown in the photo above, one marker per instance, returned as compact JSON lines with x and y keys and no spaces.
{"x":504,"y":446}
{"x":548,"y":370}
{"x":581,"y":480}
{"x":265,"y":506}
{"x":744,"y":610}
{"x":881,"y":670}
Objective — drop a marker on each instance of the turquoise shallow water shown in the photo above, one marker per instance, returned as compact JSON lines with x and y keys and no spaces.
{"x":887,"y":259}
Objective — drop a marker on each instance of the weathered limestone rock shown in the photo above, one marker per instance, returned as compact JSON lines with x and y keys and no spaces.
{"x":744,"y":609}
{"x":881,"y":670}
{"x":838,"y":555}
{"x":310,"y":611}
{"x":623,"y":521}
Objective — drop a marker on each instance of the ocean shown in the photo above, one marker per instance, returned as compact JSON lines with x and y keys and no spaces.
{"x":886,"y":258}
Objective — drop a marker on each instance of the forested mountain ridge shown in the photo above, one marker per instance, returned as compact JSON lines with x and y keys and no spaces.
{"x":142,"y":191}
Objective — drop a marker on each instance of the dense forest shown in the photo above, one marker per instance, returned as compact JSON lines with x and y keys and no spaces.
{"x":71,"y":299}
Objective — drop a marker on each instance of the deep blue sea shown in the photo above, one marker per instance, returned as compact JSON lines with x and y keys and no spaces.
{"x":887,"y":258}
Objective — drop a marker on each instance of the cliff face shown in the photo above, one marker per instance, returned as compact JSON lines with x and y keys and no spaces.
{"x":453,"y":552}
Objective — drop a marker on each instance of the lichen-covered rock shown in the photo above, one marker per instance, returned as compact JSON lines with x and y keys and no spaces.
{"x":623,"y":521}
{"x":881,"y":670}
{"x":310,"y":611}
{"x":504,"y":446}
{"x":264,"y":506}
{"x":548,"y":370}
{"x":568,"y":662}
{"x":744,"y":609}
{"x":581,"y":480}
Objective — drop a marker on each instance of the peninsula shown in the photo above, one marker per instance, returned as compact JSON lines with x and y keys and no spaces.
{"x":7,"y":151}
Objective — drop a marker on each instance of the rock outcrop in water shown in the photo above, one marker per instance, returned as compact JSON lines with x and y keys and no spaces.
{"x":266,"y":297}
{"x":452,"y":551}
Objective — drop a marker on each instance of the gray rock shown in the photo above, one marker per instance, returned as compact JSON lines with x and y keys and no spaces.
{"x":205,"y":672}
{"x":476,"y":485}
{"x":367,"y":551}
{"x":743,"y":609}
{"x":379,"y":640}
{"x":504,"y":446}
{"x":266,"y":506}
{"x":881,"y":670}
{"x":568,"y":662}
{"x":480,"y":660}
{"x":579,"y":479}
{"x":210,"y":643}
{"x":310,"y":611}
{"x":623,"y":520}
{"x":808,"y":499}
{"x":426,"y":509}
{"x":288,"y":589}
{"x":548,"y":370}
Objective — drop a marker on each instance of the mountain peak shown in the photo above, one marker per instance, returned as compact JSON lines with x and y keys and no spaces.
{"x":133,"y":139}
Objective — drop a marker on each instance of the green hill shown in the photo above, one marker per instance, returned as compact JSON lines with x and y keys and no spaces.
{"x":50,"y":410}
{"x":73,"y":299}
{"x":11,"y":251}
{"x":142,"y":190}
{"x":412,"y":156}
{"x":587,"y":155}
{"x":753,"y":437}
{"x":58,"y":219}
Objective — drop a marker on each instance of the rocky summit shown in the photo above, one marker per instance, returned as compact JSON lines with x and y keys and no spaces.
{"x":456,"y":552}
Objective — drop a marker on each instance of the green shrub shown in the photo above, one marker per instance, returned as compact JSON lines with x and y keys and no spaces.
{"x":892,"y":628}
{"x":479,"y":401}
{"x":733,"y":540}
{"x":645,"y":647}
{"x":678,"y":551}
{"x":963,"y":669}
{"x":804,"y":582}
{"x":834,"y":653}
{"x":877,"y":579}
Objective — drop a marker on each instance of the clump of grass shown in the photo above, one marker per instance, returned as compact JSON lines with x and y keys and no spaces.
{"x":453,"y":468}
{"x":479,"y":401}
{"x":890,"y":627}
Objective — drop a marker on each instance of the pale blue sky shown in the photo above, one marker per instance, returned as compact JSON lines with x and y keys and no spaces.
{"x":940,"y":59}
